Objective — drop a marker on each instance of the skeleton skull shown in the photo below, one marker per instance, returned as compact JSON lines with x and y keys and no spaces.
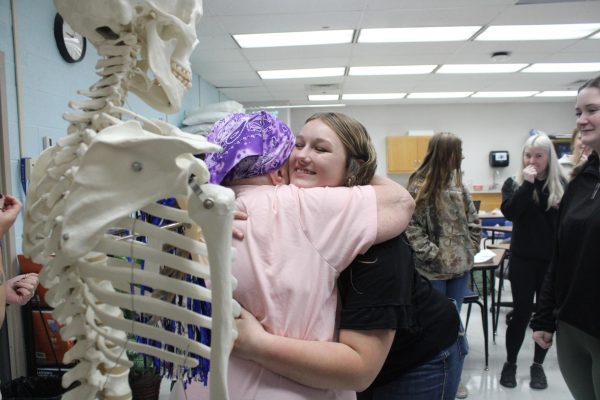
{"x":166,"y":32}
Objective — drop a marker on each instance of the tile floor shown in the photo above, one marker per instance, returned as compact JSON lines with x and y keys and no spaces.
{"x":484,"y":385}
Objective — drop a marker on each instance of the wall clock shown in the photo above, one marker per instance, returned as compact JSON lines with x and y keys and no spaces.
{"x":71,"y":45}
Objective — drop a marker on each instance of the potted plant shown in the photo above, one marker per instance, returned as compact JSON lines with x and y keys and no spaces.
{"x":143,"y":377}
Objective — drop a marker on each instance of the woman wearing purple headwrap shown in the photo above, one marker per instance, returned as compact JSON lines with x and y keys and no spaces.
{"x":399,"y":338}
{"x":297,"y":241}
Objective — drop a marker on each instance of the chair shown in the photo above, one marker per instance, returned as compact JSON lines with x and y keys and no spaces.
{"x":473,"y":297}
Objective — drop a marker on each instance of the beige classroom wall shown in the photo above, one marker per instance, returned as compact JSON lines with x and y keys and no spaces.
{"x":482,"y":127}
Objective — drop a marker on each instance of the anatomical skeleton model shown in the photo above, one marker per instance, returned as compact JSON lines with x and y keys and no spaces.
{"x":106,"y":169}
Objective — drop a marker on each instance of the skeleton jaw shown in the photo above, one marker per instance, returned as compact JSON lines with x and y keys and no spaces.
{"x":153,"y":91}
{"x":182,"y":74}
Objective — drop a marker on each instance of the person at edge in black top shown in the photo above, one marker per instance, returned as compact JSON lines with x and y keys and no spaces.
{"x":570,"y":297}
{"x":380,"y":290}
{"x":530,"y":201}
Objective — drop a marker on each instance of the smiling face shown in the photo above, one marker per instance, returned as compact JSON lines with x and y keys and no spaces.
{"x":587,"y":110}
{"x":319,"y":158}
{"x":538,"y":158}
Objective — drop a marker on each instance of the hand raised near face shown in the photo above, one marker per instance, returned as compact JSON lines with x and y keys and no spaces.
{"x":529,"y":173}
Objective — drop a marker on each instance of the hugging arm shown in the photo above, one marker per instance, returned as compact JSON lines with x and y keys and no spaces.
{"x":395,"y":208}
{"x":351,"y":364}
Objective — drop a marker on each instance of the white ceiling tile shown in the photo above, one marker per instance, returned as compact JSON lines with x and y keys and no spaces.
{"x":221,"y":62}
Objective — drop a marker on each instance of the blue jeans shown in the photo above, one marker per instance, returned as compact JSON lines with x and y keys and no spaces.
{"x":436,"y":379}
{"x":455,"y":288}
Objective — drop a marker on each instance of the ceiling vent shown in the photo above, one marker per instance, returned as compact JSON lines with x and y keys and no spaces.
{"x":323,"y":87}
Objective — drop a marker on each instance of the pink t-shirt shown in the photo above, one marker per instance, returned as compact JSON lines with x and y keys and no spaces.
{"x":297,"y":242}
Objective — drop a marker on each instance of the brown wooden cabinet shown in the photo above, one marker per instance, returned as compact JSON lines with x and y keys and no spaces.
{"x":489,"y":200}
{"x":405,"y":153}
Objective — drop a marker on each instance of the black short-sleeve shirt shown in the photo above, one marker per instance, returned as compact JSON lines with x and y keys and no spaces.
{"x":382,"y":290}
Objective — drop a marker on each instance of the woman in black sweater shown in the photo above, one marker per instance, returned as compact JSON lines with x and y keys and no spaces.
{"x":570,"y":296}
{"x":530,"y":201}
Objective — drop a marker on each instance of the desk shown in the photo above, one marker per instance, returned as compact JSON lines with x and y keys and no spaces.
{"x":494,"y":229}
{"x":503,"y":246}
{"x":491,"y":216}
{"x":484,"y":268}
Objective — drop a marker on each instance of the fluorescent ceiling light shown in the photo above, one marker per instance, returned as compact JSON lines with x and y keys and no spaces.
{"x":295,"y":106}
{"x":557,"y":93}
{"x":537,"y":32}
{"x":392,"y":70}
{"x":323,"y":97}
{"x":373,"y":96}
{"x":301,"y":73}
{"x":427,"y":34}
{"x":479,"y":68}
{"x":246,"y":41}
{"x":504,"y":94}
{"x":596,"y":36}
{"x":438,"y":95}
{"x":563,"y":67}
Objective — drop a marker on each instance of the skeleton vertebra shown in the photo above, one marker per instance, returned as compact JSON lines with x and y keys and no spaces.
{"x":106,"y":169}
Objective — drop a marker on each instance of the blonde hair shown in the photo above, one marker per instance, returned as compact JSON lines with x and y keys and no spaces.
{"x":574,"y":135}
{"x":442,"y":161}
{"x":554,"y":174}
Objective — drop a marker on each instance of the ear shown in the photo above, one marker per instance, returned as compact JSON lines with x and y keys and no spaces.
{"x":354,"y":166}
{"x":277,"y":178}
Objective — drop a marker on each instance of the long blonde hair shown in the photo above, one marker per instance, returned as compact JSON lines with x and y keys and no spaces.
{"x":442,"y":161}
{"x":554,"y":178}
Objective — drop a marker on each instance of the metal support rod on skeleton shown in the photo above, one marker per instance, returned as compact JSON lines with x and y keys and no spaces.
{"x":106,"y":169}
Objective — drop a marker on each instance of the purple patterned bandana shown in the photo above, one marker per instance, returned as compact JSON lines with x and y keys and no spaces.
{"x":253,"y":145}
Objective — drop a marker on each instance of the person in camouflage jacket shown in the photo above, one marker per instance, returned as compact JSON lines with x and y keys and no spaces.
{"x":444,"y":230}
{"x":444,"y":239}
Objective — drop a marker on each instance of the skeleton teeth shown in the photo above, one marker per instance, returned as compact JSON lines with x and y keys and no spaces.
{"x":182,"y":74}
